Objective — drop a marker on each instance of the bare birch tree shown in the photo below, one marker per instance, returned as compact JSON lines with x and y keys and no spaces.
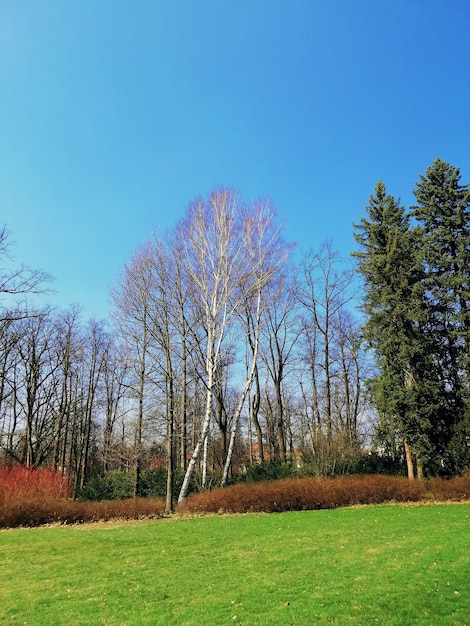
{"x":215,"y":259}
{"x":267,"y":251}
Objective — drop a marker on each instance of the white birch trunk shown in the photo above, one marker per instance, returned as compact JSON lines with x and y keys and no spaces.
{"x":236,"y":420}
{"x":202,"y":438}
{"x":241,"y":402}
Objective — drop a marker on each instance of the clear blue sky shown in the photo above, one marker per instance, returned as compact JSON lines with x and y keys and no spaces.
{"x":115,"y":114}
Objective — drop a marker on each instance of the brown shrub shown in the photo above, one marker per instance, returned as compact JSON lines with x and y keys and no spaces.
{"x":36,"y":511}
{"x":456,"y":489}
{"x":294,"y":494}
{"x":290,"y":494}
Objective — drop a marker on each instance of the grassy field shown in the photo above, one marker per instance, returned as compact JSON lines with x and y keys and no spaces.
{"x":387,"y":565}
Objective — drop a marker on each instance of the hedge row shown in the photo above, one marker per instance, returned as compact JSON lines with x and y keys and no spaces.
{"x":313,"y":493}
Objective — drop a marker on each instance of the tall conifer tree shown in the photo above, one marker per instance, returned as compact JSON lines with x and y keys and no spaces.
{"x":443,"y":217}
{"x":395,"y":315}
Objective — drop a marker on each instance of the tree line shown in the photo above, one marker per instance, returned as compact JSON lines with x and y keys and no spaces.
{"x":225,"y":349}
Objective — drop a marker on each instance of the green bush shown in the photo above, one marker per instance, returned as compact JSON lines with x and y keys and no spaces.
{"x":152,"y":483}
{"x":372,"y":463}
{"x":118,"y":485}
{"x":115,"y":485}
{"x":268,"y":470}
{"x":324,"y":467}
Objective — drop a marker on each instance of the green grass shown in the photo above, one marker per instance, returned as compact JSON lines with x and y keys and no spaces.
{"x":387,"y":565}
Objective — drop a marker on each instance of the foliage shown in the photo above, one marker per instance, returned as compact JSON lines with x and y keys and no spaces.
{"x":325,"y":463}
{"x":374,"y":463}
{"x":20,"y":483}
{"x":443,"y":217}
{"x":153,"y":483}
{"x":417,"y":290}
{"x":117,"y":484}
{"x":393,"y":304}
{"x":114,"y":485}
{"x":268,"y":470}
{"x":389,"y":565}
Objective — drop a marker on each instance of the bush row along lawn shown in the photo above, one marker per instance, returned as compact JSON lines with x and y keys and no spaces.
{"x":389,"y":565}
{"x":290,"y":494}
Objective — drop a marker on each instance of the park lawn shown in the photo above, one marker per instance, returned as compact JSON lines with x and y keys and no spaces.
{"x":387,"y":565}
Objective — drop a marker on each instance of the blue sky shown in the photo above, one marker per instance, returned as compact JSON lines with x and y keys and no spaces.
{"x":115,"y":114}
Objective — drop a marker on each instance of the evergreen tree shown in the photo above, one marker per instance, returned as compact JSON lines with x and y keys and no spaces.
{"x":393,"y":305}
{"x":443,"y":232}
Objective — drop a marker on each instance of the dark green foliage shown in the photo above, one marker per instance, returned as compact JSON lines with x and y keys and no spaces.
{"x":115,"y":485}
{"x":417,"y":295}
{"x":394,"y":306}
{"x":374,"y":463}
{"x":269,"y":470}
{"x":443,"y":217}
{"x":153,"y":483}
{"x":355,"y":464}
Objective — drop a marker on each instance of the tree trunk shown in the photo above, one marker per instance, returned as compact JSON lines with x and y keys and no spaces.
{"x":409,"y":461}
{"x":201,"y":441}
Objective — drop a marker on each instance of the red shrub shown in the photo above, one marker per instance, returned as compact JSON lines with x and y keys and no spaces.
{"x":18,"y":483}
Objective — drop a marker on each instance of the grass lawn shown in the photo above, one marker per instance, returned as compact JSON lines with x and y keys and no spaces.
{"x":387,"y":565}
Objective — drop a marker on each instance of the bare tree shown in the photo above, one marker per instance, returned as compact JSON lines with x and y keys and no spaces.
{"x":215,"y":260}
{"x":267,"y":251}
{"x":116,"y":387}
{"x":20,"y":280}
{"x":133,"y":319}
{"x":95,"y":351}
{"x":67,"y":348}
{"x":323,"y":291}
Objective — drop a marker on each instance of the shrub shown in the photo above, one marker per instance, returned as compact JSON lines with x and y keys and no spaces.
{"x":18,"y":483}
{"x":456,"y":489}
{"x":35,"y":512}
{"x":118,"y":485}
{"x":268,"y":470}
{"x":323,"y":466}
{"x":115,"y":485}
{"x":372,"y":463}
{"x":304,"y":493}
{"x":152,"y":483}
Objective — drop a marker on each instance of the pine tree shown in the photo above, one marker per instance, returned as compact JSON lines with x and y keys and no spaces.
{"x":443,"y":232}
{"x":393,"y":305}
